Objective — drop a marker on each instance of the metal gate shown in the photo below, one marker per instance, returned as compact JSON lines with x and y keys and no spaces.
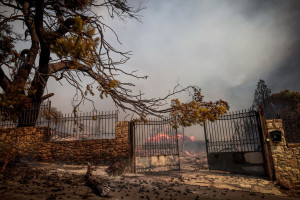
{"x":234,"y":143}
{"x":155,"y":146}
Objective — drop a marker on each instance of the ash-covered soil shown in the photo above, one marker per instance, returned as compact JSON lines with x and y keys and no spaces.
{"x":32,"y":180}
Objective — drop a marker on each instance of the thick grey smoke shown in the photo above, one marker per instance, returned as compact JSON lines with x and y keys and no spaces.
{"x":286,"y":73}
{"x":223,"y":46}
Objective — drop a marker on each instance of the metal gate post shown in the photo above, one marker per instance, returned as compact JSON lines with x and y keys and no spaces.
{"x":206,"y":141}
{"x":132,"y":145}
{"x":269,"y":165}
{"x":177,"y":145}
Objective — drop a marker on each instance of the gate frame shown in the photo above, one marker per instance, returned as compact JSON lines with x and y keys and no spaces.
{"x":267,"y":154}
{"x":132,"y":138}
{"x":132,"y":145}
{"x":264,"y":142}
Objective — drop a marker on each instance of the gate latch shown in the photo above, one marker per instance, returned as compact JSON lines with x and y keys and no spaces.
{"x":275,"y":136}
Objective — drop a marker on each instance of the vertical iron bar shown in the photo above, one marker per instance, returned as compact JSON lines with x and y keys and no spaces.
{"x":219,"y":145}
{"x":248,"y":133}
{"x":112,"y":120}
{"x":48,"y":121}
{"x":227,"y":142}
{"x":106,"y":126}
{"x":241,"y":122}
{"x":221,"y":130}
{"x":95,"y":117}
{"x":210,"y":131}
{"x":151,"y":138}
{"x":235,"y":134}
{"x":154,"y":131}
{"x":213,"y":135}
{"x":90,"y":134}
{"x":162,"y":144}
{"x":177,"y":145}
{"x":165,"y":145}
{"x":205,"y":137}
{"x":143,"y":139}
{"x":256,"y":127}
{"x":166,"y":126}
{"x":147,"y":139}
{"x":137,"y":134}
{"x":172,"y":131}
{"x":64,"y":127}
{"x":101,"y":125}
{"x":228,"y":132}
{"x":162,"y":138}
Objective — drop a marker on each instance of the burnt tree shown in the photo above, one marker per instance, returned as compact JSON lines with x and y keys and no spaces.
{"x":67,"y":42}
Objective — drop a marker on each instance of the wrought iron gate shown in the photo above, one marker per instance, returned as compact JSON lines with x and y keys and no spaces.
{"x":155,"y":146}
{"x":234,"y":143}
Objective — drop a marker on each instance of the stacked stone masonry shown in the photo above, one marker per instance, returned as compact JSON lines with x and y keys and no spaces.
{"x":33,"y":143}
{"x":286,"y":158}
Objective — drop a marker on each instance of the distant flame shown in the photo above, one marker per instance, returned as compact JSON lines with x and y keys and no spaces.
{"x":179,"y":137}
{"x":186,"y":138}
{"x":192,"y":138}
{"x":159,"y":137}
{"x":164,"y":137}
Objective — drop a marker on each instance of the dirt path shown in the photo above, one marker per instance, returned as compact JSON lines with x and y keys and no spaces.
{"x":58,"y":181}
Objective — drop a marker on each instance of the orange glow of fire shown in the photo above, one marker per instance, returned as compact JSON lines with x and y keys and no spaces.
{"x":164,"y":137}
{"x":179,"y":136}
{"x":159,"y":137}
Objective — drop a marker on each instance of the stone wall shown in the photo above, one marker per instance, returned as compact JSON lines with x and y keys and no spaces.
{"x":32,"y":142}
{"x":157,"y":163}
{"x":286,"y":158}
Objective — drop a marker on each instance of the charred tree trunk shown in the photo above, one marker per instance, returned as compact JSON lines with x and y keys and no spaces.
{"x":39,"y":82}
{"x":97,"y":185}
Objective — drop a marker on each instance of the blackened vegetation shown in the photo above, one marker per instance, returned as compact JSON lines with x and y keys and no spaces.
{"x":285,"y":105}
{"x":262,"y":93}
{"x":291,"y":126}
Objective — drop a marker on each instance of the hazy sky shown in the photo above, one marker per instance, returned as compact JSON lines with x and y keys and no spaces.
{"x":222,"y":46}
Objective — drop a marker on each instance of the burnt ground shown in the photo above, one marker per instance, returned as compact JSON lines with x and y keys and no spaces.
{"x":31,"y":180}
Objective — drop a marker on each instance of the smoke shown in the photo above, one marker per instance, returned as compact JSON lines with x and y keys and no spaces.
{"x":286,"y":73}
{"x":224,"y":47}
{"x":278,"y":65}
